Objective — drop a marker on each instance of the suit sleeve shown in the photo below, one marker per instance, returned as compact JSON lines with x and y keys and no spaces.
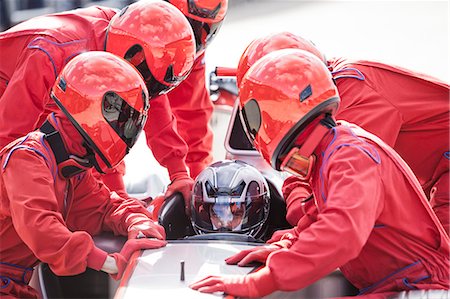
{"x":354,"y":202}
{"x":298,"y":196}
{"x":37,"y":218}
{"x":362,"y":105}
{"x":167,"y":146}
{"x":96,"y":209}
{"x":26,"y":95}
{"x":193,"y":109}
{"x":113,"y":179}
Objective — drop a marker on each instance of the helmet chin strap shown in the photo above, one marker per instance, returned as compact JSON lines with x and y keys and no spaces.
{"x":90,"y":156}
{"x":68,"y":165}
{"x":313,"y":140}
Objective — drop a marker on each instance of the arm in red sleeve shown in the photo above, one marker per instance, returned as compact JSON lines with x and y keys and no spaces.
{"x":299,"y":199}
{"x":113,"y":179}
{"x":355,"y":200}
{"x":95,"y":209}
{"x":26,"y":95}
{"x":167,"y":146}
{"x":193,"y":108}
{"x":37,"y":218}
{"x":364,"y":106}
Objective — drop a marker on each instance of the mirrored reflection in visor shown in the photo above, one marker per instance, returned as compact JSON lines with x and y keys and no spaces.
{"x":136,"y":56}
{"x":203,"y":32}
{"x":251,"y":115}
{"x":227,"y":215}
{"x":124,"y":119}
{"x":203,"y":12}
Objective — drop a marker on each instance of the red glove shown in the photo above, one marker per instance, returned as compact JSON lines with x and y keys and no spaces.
{"x":291,"y":234}
{"x":256,"y":254}
{"x":183,"y":184}
{"x":128,"y":249}
{"x":257,"y":284}
{"x":276,"y":236}
{"x":139,"y":225}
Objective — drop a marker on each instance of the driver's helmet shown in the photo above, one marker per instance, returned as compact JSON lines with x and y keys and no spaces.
{"x":230,"y":197}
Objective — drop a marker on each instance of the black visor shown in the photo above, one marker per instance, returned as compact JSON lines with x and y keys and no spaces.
{"x":124,"y":119}
{"x":251,"y":116}
{"x":204,"y":33}
{"x":135,"y":55}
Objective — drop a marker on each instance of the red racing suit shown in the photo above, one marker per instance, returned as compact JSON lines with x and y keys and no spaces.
{"x":408,"y":111}
{"x":192,"y":107}
{"x":45,"y":217}
{"x":34,"y":52}
{"x":374,"y":222}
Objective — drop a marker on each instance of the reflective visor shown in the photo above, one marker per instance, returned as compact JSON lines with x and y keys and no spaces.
{"x":297,"y":164}
{"x":251,"y":116}
{"x":204,"y":33}
{"x":124,"y":119}
{"x":135,"y":55}
{"x":227,"y":215}
{"x":203,"y":12}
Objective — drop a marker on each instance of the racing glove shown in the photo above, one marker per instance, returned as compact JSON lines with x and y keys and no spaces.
{"x":257,"y":284}
{"x":309,"y":218}
{"x":182,"y":183}
{"x":122,"y":258}
{"x":139,"y":225}
{"x":256,"y":254}
{"x":277,"y":235}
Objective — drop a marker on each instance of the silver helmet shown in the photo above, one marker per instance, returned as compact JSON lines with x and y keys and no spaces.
{"x":230,"y":196}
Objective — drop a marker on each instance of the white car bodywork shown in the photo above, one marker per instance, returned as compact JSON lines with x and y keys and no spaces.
{"x":156,"y":273}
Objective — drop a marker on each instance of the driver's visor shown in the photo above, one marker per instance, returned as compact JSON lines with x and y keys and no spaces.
{"x":227,"y":216}
{"x":124,"y":119}
{"x":251,"y":118}
{"x":297,"y":164}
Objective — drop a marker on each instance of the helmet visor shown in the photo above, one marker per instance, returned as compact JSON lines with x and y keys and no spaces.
{"x":251,"y":118}
{"x":204,"y":33}
{"x":203,"y":12}
{"x":227,"y":214}
{"x":238,"y":210}
{"x":136,"y":56}
{"x":124,"y":119}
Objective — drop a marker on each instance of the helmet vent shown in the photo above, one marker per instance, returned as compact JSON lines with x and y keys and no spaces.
{"x":306,"y":93}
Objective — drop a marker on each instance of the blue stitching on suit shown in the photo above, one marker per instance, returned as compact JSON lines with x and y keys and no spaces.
{"x":362,"y":291}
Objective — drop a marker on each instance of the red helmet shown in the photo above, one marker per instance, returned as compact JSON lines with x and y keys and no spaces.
{"x":276,"y":41}
{"x":281,"y":94}
{"x":157,"y":39}
{"x":106,"y":100}
{"x":205,"y":16}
